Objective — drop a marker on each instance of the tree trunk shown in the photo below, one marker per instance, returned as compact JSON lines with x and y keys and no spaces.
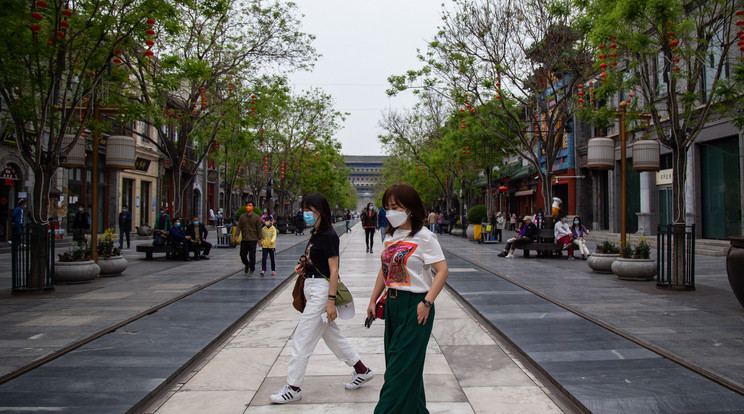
{"x":679,"y":160}
{"x":38,"y":229}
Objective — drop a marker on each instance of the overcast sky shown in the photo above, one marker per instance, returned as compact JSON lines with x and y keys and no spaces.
{"x":362,"y":43}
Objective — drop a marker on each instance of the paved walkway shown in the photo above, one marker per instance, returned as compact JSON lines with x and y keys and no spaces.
{"x":467,"y":370}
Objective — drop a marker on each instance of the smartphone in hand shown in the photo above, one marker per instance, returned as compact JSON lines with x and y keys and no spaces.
{"x":324,"y":317}
{"x":369,"y":320}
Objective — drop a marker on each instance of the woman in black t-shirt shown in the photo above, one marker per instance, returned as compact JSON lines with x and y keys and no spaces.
{"x":317,"y":320}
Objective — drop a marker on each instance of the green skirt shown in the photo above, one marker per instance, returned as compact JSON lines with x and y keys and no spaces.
{"x":405,"y":353}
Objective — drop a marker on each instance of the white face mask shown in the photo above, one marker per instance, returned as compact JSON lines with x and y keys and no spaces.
{"x":396,"y":218}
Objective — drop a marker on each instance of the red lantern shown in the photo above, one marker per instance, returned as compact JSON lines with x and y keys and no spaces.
{"x":740,"y":22}
{"x":63,"y":24}
{"x":150,"y":32}
{"x":580,"y":86}
{"x":42,"y":4}
{"x":35,"y":28}
{"x":37,"y":15}
{"x":581,"y":93}
{"x":603,"y":65}
{"x":150,"y":22}
{"x":503,"y":188}
{"x":603,"y":75}
{"x":60,"y":34}
{"x":613,"y":46}
{"x":740,"y":13}
{"x":149,"y":53}
{"x":66,"y":12}
{"x":674,"y":43}
{"x":117,"y":60}
{"x":149,"y":42}
{"x":117,"y":51}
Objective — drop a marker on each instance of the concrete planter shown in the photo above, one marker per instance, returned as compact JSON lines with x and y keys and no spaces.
{"x":75,"y":272}
{"x":602,"y":262}
{"x":112,"y":266}
{"x":735,"y":267}
{"x":634,"y":269}
{"x":470,"y":232}
{"x":457,"y":232}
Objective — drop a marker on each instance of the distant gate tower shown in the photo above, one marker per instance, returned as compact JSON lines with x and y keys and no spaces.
{"x":366,"y":171}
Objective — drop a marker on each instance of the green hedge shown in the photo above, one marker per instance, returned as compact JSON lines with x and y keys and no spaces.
{"x":241,"y":210}
{"x":476,"y":214}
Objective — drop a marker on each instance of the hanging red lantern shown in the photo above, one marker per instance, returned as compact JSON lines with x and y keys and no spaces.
{"x":676,"y":68}
{"x":674,"y":43}
{"x":580,"y":86}
{"x":740,"y":23}
{"x":35,"y":28}
{"x":150,"y":42}
{"x":631,"y":95}
{"x":603,"y":66}
{"x":42,"y":4}
{"x":150,"y":32}
{"x":613,"y":46}
{"x":150,"y":22}
{"x":603,"y":75}
{"x":603,"y":56}
{"x":503,"y":188}
{"x":149,"y":53}
{"x":67,"y":12}
{"x":581,"y":100}
{"x":581,"y":93}
{"x":117,"y":60}
{"x":63,"y":24}
{"x":740,"y":13}
{"x":60,"y":34}
{"x":37,"y":16}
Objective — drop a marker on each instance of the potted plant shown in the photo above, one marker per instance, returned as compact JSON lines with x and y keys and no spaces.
{"x":110,"y":260}
{"x":475,"y":215}
{"x":458,"y":229}
{"x":601,"y":261}
{"x":75,"y":266}
{"x":735,"y":266}
{"x":635,"y":263}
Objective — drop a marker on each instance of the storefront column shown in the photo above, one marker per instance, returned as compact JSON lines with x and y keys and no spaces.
{"x":644,"y":216}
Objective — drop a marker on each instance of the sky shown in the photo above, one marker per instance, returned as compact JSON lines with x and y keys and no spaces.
{"x":362,"y":43}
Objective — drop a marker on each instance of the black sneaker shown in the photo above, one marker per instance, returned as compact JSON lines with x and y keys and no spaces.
{"x":502,"y":254}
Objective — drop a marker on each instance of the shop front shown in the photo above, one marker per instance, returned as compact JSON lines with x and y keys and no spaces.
{"x":138,"y":190}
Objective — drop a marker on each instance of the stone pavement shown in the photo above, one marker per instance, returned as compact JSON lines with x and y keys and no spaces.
{"x":467,"y":370}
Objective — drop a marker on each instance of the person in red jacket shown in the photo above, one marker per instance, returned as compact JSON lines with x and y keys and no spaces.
{"x":369,"y":222}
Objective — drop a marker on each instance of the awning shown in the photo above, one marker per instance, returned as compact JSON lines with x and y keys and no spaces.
{"x":524,"y":193}
{"x":524,"y":172}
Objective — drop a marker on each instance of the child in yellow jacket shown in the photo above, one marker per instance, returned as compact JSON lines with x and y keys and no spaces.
{"x":268,"y":245}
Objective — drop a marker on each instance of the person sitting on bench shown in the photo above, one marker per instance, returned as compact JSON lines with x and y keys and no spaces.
{"x":178,"y":239}
{"x":198,"y":238}
{"x":562,"y":233}
{"x":527,"y":234}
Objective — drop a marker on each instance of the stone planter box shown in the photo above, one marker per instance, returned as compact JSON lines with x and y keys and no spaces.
{"x":735,"y":267}
{"x":634,"y":269}
{"x":601,"y":262}
{"x":470,"y":232}
{"x":75,"y":272}
{"x":113,"y":266}
{"x":458,"y":232}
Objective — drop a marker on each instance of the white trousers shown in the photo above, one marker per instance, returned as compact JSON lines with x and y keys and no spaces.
{"x":582,"y":246}
{"x":311,"y":328}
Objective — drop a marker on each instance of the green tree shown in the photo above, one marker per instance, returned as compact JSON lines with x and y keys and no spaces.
{"x":520,"y":63}
{"x":680,"y":61}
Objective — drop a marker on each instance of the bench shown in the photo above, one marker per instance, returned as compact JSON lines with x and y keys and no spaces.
{"x":543,"y":244}
{"x":170,"y":252}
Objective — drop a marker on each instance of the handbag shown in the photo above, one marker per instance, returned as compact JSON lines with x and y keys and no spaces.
{"x":380,"y":307}
{"x":298,"y":294}
{"x":343,"y":295}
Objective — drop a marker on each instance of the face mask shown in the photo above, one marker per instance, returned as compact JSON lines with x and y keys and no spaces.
{"x":371,"y":208}
{"x":309,"y":218}
{"x":565,"y":220}
{"x":161,"y":211}
{"x":196,"y":223}
{"x":576,"y":222}
{"x":396,"y":218}
{"x":80,"y":209}
{"x":124,"y":210}
{"x":178,"y":224}
{"x":267,"y":223}
{"x":249,"y":209}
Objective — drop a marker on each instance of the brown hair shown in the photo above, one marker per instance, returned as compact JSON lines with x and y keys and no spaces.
{"x":406,"y":196}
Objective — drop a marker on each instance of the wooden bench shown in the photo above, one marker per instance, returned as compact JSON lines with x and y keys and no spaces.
{"x":543,"y":244}
{"x":170,"y":252}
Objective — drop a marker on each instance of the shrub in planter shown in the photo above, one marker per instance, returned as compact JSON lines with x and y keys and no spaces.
{"x":241,"y":210}
{"x":476,"y":214}
{"x":106,"y":247}
{"x":75,"y":266}
{"x":634,"y":264}
{"x":110,"y":259}
{"x":601,"y":261}
{"x":607,"y":247}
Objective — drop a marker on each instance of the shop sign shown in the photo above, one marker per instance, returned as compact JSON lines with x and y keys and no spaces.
{"x":141,"y":164}
{"x":664,"y":177}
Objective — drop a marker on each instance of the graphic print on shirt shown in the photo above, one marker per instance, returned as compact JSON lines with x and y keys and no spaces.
{"x":308,"y":261}
{"x":394,"y":259}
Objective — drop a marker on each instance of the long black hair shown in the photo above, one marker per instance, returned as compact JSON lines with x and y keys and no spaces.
{"x":574,"y":226}
{"x":319,"y":203}
{"x":406,"y":196}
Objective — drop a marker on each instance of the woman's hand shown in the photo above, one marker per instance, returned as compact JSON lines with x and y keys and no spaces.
{"x":372,"y":309}
{"x":422,"y":313}
{"x":299,"y":269}
{"x":331,"y":310}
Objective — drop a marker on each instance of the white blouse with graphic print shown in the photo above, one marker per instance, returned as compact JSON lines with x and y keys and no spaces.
{"x":406,"y":261}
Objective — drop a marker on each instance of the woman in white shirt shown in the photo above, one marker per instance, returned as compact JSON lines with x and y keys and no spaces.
{"x":410,"y":254}
{"x":562,"y":233}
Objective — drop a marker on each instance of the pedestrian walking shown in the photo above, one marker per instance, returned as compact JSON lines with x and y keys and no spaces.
{"x":382,"y":223}
{"x":432,"y":221}
{"x":19,"y":218}
{"x":318,"y":317}
{"x":440,"y":222}
{"x":347,"y":219}
{"x":249,"y":226}
{"x":369,"y":222}
{"x":125,"y":225}
{"x":410,"y":255}
{"x":299,"y":224}
{"x":212,"y":217}
{"x":80,"y":226}
{"x":197,"y":233}
{"x":268,"y":246}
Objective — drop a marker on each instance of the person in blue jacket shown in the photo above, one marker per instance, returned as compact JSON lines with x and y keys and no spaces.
{"x":125,"y":225}
{"x":382,"y":223}
{"x":19,"y":216}
{"x":178,"y":239}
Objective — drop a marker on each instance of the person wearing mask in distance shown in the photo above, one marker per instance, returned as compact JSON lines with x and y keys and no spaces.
{"x":563,"y":235}
{"x":249,"y":226}
{"x":369,"y":222}
{"x":197,"y":233}
{"x":125,"y":226}
{"x":578,"y":231}
{"x":410,"y":254}
{"x":268,"y":246}
{"x":178,"y":239}
{"x":317,"y":320}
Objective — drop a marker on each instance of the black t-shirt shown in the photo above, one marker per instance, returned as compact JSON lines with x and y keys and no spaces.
{"x":320,"y":248}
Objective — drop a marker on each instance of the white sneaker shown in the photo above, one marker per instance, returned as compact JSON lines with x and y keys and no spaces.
{"x":357,"y":380}
{"x":285,"y":395}
{"x":509,"y":256}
